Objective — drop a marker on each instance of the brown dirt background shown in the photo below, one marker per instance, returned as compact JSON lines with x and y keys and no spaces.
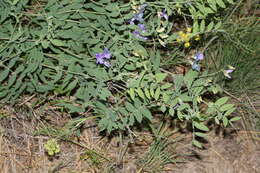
{"x":226,"y":151}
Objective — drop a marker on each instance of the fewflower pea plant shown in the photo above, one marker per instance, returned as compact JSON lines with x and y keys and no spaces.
{"x":106,"y":56}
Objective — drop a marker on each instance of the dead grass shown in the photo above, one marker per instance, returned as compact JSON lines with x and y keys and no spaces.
{"x":234,"y":151}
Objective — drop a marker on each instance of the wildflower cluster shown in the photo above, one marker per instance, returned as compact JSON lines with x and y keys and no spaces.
{"x":138,"y":18}
{"x":186,"y":36}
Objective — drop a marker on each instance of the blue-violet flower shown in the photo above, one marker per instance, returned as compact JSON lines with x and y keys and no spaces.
{"x":101,"y":58}
{"x":195,"y":66}
{"x":142,"y":27}
{"x":227,"y":72}
{"x":198,"y":56}
{"x":139,"y":16}
{"x":138,"y":35}
{"x":163,"y":14}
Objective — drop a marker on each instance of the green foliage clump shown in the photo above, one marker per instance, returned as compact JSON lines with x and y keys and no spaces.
{"x":52,"y":147}
{"x":107,"y":57}
{"x":239,"y":48}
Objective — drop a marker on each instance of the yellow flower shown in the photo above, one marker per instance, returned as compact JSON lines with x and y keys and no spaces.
{"x":183,"y":35}
{"x":186,"y":37}
{"x":187,"y":44}
{"x":180,"y":32}
{"x":188,"y":30}
{"x":197,"y":37}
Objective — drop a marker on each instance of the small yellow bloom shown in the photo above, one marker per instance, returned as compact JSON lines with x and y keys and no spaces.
{"x":188,"y":30}
{"x":186,"y":38}
{"x":178,"y":40}
{"x":180,"y":32}
{"x":197,"y":37}
{"x":183,"y":35}
{"x":187,"y":44}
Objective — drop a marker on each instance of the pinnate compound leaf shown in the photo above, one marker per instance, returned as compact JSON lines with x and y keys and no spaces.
{"x":202,"y":26}
{"x":196,"y":143}
{"x":225,"y":121}
{"x":57,"y":42}
{"x":235,"y":119}
{"x":4,"y":74}
{"x":138,"y":116}
{"x":221,"y":3}
{"x":218,"y":25}
{"x":147,"y":93}
{"x":226,"y":107}
{"x":190,"y":77}
{"x":157,"y":93}
{"x":230,"y":111}
{"x":160,"y":76}
{"x":146,"y":113}
{"x":140,"y":93}
{"x":131,"y":92}
{"x":210,"y":26}
{"x":201,"y":126}
{"x":203,"y":135}
{"x":221,"y":101}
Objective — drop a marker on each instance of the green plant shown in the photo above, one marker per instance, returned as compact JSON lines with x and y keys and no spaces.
{"x":239,"y":48}
{"x":100,"y":55}
{"x":184,"y":99}
{"x":52,"y":147}
{"x":94,"y":158}
{"x":157,"y":156}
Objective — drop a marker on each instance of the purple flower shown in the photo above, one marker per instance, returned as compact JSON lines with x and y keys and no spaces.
{"x":139,"y":16}
{"x":101,"y":58}
{"x":163,"y":14}
{"x":142,"y":7}
{"x":138,"y":35}
{"x":198,"y":56}
{"x":226,"y":73}
{"x":195,"y":66}
{"x":106,"y":53}
{"x":107,"y":64}
{"x":142,"y":27}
